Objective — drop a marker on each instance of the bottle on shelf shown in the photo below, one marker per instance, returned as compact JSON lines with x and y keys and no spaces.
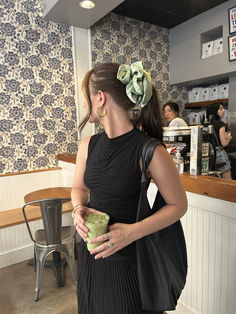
{"x":179,"y":162}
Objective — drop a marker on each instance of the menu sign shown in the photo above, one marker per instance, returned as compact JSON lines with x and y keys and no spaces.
{"x":232,"y":20}
{"x":232,"y":47}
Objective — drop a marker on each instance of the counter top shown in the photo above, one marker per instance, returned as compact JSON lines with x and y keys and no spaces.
{"x":223,"y":189}
{"x":67,"y":158}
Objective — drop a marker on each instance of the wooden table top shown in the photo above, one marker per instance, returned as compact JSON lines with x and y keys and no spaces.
{"x":54,"y":192}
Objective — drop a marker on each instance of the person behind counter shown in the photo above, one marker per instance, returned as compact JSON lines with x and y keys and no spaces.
{"x":171,"y":114}
{"x":214,"y":113}
{"x":107,"y":178}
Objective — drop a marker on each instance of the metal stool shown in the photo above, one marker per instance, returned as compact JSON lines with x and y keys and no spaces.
{"x":53,"y":238}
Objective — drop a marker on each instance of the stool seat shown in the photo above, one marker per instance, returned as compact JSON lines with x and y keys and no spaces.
{"x":67,"y":233}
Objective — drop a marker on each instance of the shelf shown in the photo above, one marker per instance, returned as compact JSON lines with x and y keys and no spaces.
{"x":205,"y":103}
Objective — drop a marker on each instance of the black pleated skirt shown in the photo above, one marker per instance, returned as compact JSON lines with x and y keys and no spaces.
{"x":107,"y":286}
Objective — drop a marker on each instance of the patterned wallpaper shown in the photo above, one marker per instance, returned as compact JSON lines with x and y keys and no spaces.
{"x":37,"y":106}
{"x":121,"y":39}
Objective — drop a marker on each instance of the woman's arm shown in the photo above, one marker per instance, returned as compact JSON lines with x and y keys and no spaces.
{"x":224,"y":137}
{"x":79,"y":192}
{"x":164,"y":173}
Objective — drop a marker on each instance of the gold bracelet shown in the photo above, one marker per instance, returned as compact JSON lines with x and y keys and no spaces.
{"x":75,"y":209}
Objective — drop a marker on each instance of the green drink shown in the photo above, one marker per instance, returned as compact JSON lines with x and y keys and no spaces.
{"x":97,"y":225}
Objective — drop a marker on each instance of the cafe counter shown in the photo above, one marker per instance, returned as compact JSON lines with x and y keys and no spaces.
{"x":218,"y":188}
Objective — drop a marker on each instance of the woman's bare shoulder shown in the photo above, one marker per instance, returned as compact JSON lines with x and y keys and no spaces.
{"x":83,"y":148}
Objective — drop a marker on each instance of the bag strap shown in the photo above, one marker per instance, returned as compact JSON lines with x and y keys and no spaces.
{"x":146,"y":157}
{"x":147,"y":154}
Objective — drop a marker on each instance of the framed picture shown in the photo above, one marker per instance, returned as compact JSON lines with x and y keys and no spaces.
{"x":232,"y":47}
{"x":232,"y":20}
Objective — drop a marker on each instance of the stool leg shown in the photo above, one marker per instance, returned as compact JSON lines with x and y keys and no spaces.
{"x":40,"y":261}
{"x":34,"y":261}
{"x":71,"y":263}
{"x":68,"y":250}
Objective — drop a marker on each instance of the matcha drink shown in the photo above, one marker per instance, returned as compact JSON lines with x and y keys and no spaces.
{"x":97,"y":225}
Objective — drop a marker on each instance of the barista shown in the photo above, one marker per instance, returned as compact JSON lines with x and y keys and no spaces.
{"x":171,"y":114}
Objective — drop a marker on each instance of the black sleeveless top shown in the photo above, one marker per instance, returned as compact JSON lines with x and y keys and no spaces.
{"x":113,"y":175}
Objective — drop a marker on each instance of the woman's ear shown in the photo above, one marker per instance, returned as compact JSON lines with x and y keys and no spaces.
{"x":101,"y":97}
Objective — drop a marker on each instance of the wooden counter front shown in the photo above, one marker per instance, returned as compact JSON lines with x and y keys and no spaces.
{"x":223,"y":189}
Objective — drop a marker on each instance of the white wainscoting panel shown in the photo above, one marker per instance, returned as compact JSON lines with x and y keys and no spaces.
{"x":68,"y":170}
{"x":210,"y":231}
{"x":14,"y":187}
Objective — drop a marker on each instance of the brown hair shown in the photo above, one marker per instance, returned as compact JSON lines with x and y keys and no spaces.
{"x":104,"y":77}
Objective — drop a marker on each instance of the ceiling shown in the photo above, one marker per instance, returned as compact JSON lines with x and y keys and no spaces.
{"x":165,"y":13}
{"x":69,"y":11}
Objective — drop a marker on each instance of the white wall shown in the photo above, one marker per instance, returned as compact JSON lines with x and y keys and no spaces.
{"x":82,"y":57}
{"x":186,"y":64}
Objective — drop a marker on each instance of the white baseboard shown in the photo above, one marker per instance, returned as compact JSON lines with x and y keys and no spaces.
{"x":182,"y":309}
{"x":16,"y":256}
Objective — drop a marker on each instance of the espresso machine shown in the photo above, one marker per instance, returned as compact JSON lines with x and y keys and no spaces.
{"x":196,"y":145}
{"x":178,"y":138}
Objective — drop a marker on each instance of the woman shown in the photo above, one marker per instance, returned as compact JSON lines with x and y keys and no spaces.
{"x":107,"y":178}
{"x":215,"y":112}
{"x":171,"y":114}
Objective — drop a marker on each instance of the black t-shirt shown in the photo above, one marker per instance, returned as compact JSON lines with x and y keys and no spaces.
{"x":217,"y":126}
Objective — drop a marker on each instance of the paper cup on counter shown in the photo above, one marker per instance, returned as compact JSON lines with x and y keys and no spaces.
{"x":97,"y":224}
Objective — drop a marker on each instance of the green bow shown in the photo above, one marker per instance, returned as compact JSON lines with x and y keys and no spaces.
{"x":138,"y":82}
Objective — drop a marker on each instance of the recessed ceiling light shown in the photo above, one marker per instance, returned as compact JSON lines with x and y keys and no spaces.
{"x":87,"y":4}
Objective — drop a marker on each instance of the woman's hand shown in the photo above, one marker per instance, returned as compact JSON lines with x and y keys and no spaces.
{"x":79,"y":220}
{"x":118,"y":236}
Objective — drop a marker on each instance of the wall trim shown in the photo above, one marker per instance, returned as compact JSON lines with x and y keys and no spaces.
{"x":28,"y":172}
{"x":16,"y":256}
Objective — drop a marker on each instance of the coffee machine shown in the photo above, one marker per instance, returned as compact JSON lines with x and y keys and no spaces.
{"x":178,"y":138}
{"x":196,"y":145}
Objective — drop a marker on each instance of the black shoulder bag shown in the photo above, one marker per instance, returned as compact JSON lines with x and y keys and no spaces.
{"x":161,"y":256}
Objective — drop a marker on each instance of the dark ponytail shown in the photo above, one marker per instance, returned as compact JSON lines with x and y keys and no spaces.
{"x":211,"y":111}
{"x":150,"y":119}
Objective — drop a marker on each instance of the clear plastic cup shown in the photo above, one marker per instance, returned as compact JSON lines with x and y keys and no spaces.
{"x":97,"y":224}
